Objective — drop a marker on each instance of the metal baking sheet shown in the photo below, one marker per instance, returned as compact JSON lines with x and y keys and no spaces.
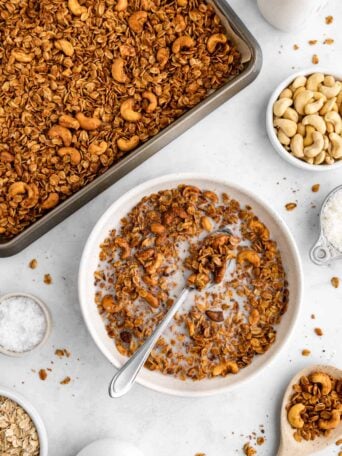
{"x":250,"y":49}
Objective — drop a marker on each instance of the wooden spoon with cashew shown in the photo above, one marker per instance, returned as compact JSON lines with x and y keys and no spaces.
{"x":288,"y":445}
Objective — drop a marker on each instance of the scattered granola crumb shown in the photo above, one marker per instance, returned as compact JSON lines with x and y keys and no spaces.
{"x":315,"y":188}
{"x":65,"y":381}
{"x":42,"y":374}
{"x":295,"y":47}
{"x":315,"y":59}
{"x":62,"y":352}
{"x":200,"y":454}
{"x":318,"y":331}
{"x":338,"y":442}
{"x":249,"y":450}
{"x":33,"y":263}
{"x":260,"y":440}
{"x":47,"y":279}
{"x":313,"y":316}
{"x":329,"y":20}
{"x":329,"y":41}
{"x":312,"y":42}
{"x":306,"y":352}
{"x":290,"y":206}
{"x":335,"y":282}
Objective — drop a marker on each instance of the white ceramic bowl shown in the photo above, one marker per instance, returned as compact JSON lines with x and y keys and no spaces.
{"x":272,"y":133}
{"x":111,"y":219}
{"x":32,"y":412}
{"x":47,"y":316}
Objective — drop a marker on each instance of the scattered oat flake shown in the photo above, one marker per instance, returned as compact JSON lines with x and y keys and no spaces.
{"x":329,"y":20}
{"x":42,"y":374}
{"x":335,"y":282}
{"x":249,"y":450}
{"x":33,"y":263}
{"x":312,"y":42}
{"x":315,"y":59}
{"x":65,"y":381}
{"x":315,"y":188}
{"x":329,"y":41}
{"x":295,"y":47}
{"x":47,"y":279}
{"x":290,"y":206}
{"x":318,"y":331}
{"x":306,"y":352}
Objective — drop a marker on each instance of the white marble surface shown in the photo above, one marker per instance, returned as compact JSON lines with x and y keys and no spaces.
{"x":231,"y":143}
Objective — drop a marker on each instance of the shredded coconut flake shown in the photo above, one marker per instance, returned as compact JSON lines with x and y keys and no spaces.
{"x":332,"y":220}
{"x":22,"y":324}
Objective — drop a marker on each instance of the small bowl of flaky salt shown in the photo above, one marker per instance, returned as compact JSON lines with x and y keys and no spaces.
{"x":25,"y":324}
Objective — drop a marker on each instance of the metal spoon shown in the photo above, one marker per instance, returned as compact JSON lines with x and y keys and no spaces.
{"x":124,"y":379}
{"x":288,"y":445}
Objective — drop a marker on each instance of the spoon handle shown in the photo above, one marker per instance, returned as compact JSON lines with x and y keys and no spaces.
{"x":125,"y":377}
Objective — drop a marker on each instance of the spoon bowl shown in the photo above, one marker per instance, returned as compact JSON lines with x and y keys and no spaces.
{"x":288,"y":445}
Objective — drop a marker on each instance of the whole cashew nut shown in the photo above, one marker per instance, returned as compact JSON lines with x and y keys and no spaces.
{"x":127,"y":112}
{"x":320,"y":158}
{"x":137,"y":20}
{"x":88,"y":123}
{"x":163,"y":56}
{"x":121,"y":5}
{"x":330,"y":92}
{"x":98,"y":148}
{"x":329,"y":81}
{"x":125,"y":248}
{"x":328,"y":106}
{"x":249,"y":256}
{"x":179,"y":23}
{"x":126,"y":145}
{"x":76,"y":8}
{"x":152,"y":99}
{"x":51,"y":201}
{"x":336,"y":145}
{"x":324,"y":380}
{"x":294,"y":417}
{"x":68,"y":122}
{"x":65,"y":46}
{"x":297,"y":145}
{"x":300,"y":81}
{"x":181,"y":43}
{"x":332,"y":423}
{"x":281,"y":105}
{"x":75,"y":156}
{"x":302,"y":100}
{"x":286,"y":93}
{"x":285,"y":140}
{"x":225,"y":367}
{"x":21,"y":188}
{"x":315,"y":106}
{"x":335,"y":119}
{"x":314,"y":81}
{"x":316,"y":147}
{"x":288,"y":126}
{"x":316,"y":121}
{"x":57,"y":131}
{"x":214,"y":40}
{"x":291,"y":114}
{"x":152,"y":300}
{"x":22,"y":57}
{"x":308,"y":140}
{"x":118,"y":71}
{"x":298,"y":91}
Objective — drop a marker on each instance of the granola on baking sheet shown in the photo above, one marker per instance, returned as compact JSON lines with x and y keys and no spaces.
{"x":144,"y":263}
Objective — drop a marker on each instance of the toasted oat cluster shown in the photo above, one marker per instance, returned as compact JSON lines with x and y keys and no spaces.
{"x":315,"y":407}
{"x":161,"y":245}
{"x":85,"y":82}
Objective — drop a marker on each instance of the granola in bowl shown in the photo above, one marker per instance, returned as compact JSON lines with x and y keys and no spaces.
{"x":157,"y":248}
{"x":84,"y":83}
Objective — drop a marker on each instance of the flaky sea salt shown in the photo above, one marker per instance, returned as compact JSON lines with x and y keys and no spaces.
{"x":22,"y":324}
{"x":332,"y":220}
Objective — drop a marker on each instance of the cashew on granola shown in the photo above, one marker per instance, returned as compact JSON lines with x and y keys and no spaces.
{"x":249,"y":256}
{"x":76,"y":8}
{"x":69,"y":122}
{"x":137,"y":20}
{"x":51,"y":201}
{"x":98,"y":148}
{"x":21,"y":188}
{"x":332,"y":423}
{"x":152,"y":99}
{"x":215,"y":40}
{"x":88,"y":123}
{"x":57,"y":131}
{"x":183,"y":42}
{"x":163,"y":55}
{"x":118,"y":71}
{"x":126,"y":145}
{"x":127,"y":112}
{"x":74,"y":154}
{"x":294,"y":416}
{"x":125,"y":248}
{"x":65,"y":46}
{"x":226,"y":367}
{"x":121,"y":5}
{"x":22,"y":56}
{"x":152,"y":300}
{"x":322,"y":379}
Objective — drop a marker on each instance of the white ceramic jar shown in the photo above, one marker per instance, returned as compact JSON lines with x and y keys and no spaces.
{"x":289,"y":15}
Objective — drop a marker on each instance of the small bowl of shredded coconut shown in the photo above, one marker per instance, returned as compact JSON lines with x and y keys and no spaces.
{"x":25,"y":324}
{"x":329,"y":244}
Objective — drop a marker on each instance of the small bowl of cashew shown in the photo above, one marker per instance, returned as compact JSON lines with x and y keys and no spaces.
{"x":304,"y":119}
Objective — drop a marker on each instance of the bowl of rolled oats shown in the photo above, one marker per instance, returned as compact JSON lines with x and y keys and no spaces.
{"x":144,"y":249}
{"x":22,"y":431}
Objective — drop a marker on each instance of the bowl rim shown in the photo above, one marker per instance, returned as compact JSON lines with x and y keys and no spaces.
{"x":269,"y":120}
{"x":33,"y":414}
{"x":141,"y":190}
{"x":48,"y":320}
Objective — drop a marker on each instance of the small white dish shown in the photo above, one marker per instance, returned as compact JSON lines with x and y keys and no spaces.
{"x":272,"y":133}
{"x":34,"y":415}
{"x":47,"y":316}
{"x":111,"y":219}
